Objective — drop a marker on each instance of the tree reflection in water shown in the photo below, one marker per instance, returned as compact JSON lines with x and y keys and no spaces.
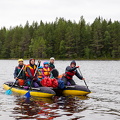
{"x":48,"y":108}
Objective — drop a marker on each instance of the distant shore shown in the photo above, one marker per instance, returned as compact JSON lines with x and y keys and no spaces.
{"x":97,"y":59}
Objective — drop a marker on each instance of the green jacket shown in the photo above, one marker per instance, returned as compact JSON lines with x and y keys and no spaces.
{"x":52,"y":66}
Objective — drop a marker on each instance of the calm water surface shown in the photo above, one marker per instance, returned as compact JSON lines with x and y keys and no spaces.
{"x":102,"y":77}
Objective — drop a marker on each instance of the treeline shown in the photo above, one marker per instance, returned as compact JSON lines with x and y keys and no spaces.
{"x":62,"y":39}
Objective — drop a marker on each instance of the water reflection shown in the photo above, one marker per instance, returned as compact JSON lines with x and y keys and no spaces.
{"x":102,"y":77}
{"x":48,"y":109}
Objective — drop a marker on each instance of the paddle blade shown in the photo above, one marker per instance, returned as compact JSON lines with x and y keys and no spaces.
{"x":27,"y":95}
{"x":8,"y":92}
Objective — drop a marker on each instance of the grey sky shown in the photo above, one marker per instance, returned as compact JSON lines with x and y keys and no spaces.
{"x":16,"y":12}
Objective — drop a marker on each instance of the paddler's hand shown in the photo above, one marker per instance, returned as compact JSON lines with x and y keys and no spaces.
{"x":77,"y":66}
{"x":16,"y":78}
{"x":39,"y":61}
{"x":34,"y":78}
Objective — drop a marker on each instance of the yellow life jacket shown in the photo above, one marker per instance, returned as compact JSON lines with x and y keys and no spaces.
{"x":46,"y":71}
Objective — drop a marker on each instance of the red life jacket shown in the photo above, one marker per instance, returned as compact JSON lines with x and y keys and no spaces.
{"x":32,"y":70}
{"x":69,"y":75}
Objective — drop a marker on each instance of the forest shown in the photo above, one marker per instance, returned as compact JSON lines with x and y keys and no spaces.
{"x":62,"y":39}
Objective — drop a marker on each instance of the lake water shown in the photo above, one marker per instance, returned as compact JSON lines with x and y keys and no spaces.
{"x":102,"y":77}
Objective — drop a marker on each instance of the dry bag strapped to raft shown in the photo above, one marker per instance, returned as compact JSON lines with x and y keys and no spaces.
{"x":61,"y":84}
{"x":49,"y":82}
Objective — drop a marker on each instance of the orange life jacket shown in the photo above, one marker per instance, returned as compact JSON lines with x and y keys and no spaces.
{"x":32,"y":70}
{"x":46,"y":71}
{"x":60,"y":76}
{"x":40,"y":75}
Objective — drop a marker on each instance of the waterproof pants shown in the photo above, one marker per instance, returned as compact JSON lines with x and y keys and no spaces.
{"x":68,"y":81}
{"x":34,"y":82}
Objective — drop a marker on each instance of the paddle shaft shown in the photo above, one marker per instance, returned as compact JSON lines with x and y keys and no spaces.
{"x":20,"y":71}
{"x":82,"y":76}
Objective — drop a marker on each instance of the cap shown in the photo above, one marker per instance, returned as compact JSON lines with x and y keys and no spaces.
{"x":40,"y":67}
{"x":45,"y":63}
{"x":52,"y":58}
{"x":73,"y":62}
{"x":32,"y":59}
{"x":20,"y":60}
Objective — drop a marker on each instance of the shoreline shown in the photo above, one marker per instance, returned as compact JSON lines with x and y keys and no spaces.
{"x":98,"y":59}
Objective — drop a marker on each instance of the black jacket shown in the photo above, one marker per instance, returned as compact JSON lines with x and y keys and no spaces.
{"x":22,"y":73}
{"x":70,"y":69}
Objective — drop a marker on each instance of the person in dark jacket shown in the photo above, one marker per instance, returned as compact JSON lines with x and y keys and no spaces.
{"x":19,"y":73}
{"x":51,"y":64}
{"x":70,"y":72}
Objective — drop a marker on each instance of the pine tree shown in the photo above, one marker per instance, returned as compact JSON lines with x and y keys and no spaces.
{"x":62,"y":49}
{"x":37,"y":48}
{"x":62,"y":39}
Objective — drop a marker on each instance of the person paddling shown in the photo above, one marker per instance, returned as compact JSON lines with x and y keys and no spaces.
{"x":21,"y":77}
{"x":51,"y":64}
{"x":30,"y":71}
{"x":70,"y":72}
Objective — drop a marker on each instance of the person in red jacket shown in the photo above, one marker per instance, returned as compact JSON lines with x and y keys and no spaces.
{"x":70,"y":72}
{"x":31,"y":77}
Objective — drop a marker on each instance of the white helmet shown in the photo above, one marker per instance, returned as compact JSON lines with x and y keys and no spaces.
{"x":52,"y":58}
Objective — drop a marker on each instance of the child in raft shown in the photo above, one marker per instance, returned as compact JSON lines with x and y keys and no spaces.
{"x":40,"y":75}
{"x":46,"y":69}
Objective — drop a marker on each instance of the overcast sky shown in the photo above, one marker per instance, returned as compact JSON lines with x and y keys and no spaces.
{"x":16,"y":12}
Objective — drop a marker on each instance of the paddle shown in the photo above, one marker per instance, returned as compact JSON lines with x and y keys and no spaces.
{"x":27,"y":95}
{"x":9,"y":92}
{"x":82,"y":75}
